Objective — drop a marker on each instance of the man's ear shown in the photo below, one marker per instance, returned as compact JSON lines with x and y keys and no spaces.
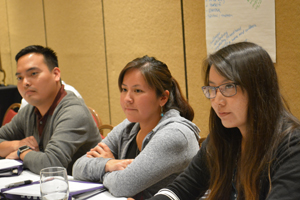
{"x":164,"y":97}
{"x":56,"y":73}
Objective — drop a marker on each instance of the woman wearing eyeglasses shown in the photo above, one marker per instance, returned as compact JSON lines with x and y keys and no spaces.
{"x":253,"y":149}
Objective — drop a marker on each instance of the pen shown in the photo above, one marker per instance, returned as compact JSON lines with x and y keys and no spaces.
{"x":18,"y":183}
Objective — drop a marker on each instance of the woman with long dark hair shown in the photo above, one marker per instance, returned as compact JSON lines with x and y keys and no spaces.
{"x":253,"y":148}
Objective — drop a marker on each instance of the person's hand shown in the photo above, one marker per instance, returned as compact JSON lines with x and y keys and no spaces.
{"x":116,"y":165}
{"x":12,"y":155}
{"x":31,"y":142}
{"x":101,"y":150}
{"x":130,"y":199}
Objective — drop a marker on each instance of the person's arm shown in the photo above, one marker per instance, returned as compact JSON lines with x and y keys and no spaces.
{"x":28,"y":141}
{"x":11,"y":135}
{"x":69,"y":129}
{"x":190,"y":184}
{"x":167,"y":153}
{"x":93,"y":169}
{"x":285,"y":174}
{"x":7,"y":147}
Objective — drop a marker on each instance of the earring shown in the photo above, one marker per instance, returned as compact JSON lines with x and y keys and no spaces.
{"x":161,"y":111}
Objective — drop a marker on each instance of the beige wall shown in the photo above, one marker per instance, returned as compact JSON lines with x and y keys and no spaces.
{"x":94,"y":40}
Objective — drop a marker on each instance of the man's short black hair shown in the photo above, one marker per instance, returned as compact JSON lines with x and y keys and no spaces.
{"x":50,"y":57}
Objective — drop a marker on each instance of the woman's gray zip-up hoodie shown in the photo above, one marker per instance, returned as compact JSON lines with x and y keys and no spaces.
{"x":166,"y":151}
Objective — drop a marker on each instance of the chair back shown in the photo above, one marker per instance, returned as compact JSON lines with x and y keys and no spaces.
{"x":105,"y":126}
{"x":201,"y":140}
{"x":11,"y":111}
{"x":95,"y":116}
{"x":98,"y":122}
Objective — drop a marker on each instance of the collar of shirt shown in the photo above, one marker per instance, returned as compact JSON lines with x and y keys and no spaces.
{"x":41,"y":120}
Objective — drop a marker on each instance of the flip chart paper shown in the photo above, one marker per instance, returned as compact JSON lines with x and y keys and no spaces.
{"x":231,"y":21}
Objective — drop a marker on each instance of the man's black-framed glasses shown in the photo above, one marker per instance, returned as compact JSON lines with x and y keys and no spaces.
{"x":227,"y":90}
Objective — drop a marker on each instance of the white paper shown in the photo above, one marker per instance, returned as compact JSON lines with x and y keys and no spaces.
{"x":25,"y":175}
{"x":6,"y":163}
{"x":34,"y":189}
{"x":231,"y":21}
{"x":106,"y":196}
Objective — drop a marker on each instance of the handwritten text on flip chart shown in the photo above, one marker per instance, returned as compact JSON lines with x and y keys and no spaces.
{"x":231,"y":21}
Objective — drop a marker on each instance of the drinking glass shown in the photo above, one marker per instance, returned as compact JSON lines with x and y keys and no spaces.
{"x":54,"y":183}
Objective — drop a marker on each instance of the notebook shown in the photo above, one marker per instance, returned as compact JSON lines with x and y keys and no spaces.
{"x":77,"y":190}
{"x":10,"y":167}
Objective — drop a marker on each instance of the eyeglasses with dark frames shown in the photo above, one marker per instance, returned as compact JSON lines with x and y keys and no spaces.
{"x":227,"y":90}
